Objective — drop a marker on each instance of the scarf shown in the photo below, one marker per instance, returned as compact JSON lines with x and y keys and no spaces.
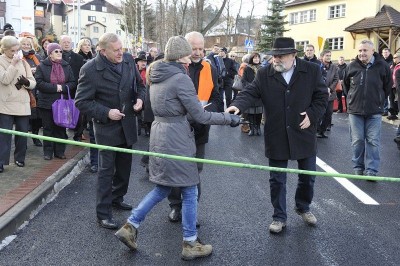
{"x":31,"y":55}
{"x":57,"y":75}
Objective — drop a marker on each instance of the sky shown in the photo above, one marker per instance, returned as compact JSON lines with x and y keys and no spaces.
{"x":260,"y":6}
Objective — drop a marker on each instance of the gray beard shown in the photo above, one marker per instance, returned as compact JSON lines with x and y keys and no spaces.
{"x":279,"y":68}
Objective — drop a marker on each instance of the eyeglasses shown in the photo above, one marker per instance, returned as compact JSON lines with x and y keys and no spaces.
{"x":58,"y":51}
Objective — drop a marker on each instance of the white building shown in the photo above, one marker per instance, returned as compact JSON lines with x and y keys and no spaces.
{"x":21,"y":15}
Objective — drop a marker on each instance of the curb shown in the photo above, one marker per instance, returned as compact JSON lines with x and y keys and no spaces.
{"x":16,"y":218}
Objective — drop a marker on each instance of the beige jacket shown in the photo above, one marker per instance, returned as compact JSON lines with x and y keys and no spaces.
{"x":13,"y":101}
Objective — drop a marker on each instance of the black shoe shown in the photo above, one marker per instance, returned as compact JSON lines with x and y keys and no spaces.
{"x":93,"y":169}
{"x":321,"y":136}
{"x":392,"y":117}
{"x":175,"y":215}
{"x":62,"y":157}
{"x":1,"y":168}
{"x":108,"y":223}
{"x":339,"y":111}
{"x":122,"y":206}
{"x":20,"y":164}
{"x":77,"y":138}
{"x":48,"y":157}
{"x":37,"y":143}
{"x":385,"y":114}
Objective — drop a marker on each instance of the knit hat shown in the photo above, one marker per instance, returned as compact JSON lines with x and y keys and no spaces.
{"x":8,"y":26}
{"x":53,"y":46}
{"x":177,"y":47}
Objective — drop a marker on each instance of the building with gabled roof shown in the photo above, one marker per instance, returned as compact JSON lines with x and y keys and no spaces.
{"x":343,"y":24}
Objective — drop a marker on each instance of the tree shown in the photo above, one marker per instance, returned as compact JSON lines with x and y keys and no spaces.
{"x":273,"y":25}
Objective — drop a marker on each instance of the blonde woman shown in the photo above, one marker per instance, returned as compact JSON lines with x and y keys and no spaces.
{"x":15,"y":80}
{"x":84,"y":48}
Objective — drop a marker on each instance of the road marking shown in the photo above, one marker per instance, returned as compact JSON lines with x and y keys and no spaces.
{"x":353,"y":189}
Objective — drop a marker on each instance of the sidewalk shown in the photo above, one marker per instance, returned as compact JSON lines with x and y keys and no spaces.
{"x":23,"y":189}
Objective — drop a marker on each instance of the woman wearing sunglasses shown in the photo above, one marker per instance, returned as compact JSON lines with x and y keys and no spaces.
{"x":53,"y":76}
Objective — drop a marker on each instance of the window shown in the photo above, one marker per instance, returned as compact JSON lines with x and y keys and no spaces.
{"x":301,"y":44}
{"x":96,"y":29}
{"x":218,"y":40}
{"x":2,"y":19}
{"x":302,"y":17}
{"x":104,"y":20}
{"x":338,"y":11}
{"x":118,"y":32}
{"x":335,"y":43}
{"x":104,"y":8}
{"x":93,"y":7}
{"x":92,"y":18}
{"x":39,"y":11}
{"x":118,"y":21}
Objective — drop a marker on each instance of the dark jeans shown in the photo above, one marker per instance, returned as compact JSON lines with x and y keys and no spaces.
{"x":304,"y":191}
{"x":227,"y":88}
{"x":175,"y":198}
{"x":21,"y":124}
{"x":326,"y":119}
{"x":52,"y":130}
{"x":113,"y":180}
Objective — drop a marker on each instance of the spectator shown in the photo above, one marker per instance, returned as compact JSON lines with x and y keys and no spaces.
{"x":231,"y":71}
{"x":366,"y":119}
{"x":44,"y":43}
{"x":309,"y":54}
{"x":33,"y":59}
{"x":341,"y":67}
{"x":389,"y":60}
{"x":54,"y":77}
{"x":16,"y":80}
{"x":141,"y":63}
{"x":396,"y":82}
{"x":245,"y":128}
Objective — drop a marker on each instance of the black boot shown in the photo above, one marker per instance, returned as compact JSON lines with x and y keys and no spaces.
{"x":37,"y":142}
{"x":258,"y":130}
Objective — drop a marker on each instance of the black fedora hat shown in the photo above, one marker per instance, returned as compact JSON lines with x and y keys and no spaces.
{"x":141,"y":57}
{"x":282,"y":45}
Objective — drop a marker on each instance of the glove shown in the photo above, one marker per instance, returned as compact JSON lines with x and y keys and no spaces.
{"x":23,"y":81}
{"x":235,"y":120}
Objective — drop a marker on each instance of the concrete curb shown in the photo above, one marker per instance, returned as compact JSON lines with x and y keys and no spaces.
{"x":18,"y":216}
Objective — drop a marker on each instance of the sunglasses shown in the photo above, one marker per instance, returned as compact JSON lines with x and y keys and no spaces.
{"x":233,"y":56}
{"x":58,"y":51}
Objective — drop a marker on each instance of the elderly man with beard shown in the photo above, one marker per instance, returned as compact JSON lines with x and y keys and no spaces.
{"x":294,"y":98}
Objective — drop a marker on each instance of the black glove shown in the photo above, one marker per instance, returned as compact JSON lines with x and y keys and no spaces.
{"x":18,"y":86}
{"x":235,"y":120}
{"x":23,"y":81}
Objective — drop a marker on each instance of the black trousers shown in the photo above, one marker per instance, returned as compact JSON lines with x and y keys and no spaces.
{"x":227,"y":88}
{"x":113,"y":180}
{"x":52,"y":130}
{"x":21,"y":124}
{"x":326,"y":118}
{"x":175,"y":198}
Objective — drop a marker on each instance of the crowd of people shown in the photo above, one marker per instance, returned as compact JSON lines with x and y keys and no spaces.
{"x":175,"y":96}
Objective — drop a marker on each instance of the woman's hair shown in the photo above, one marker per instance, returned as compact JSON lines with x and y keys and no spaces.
{"x":35,"y":44}
{"x":252,"y":57}
{"x":45,"y":40}
{"x":26,"y":39}
{"x":7,"y":42}
{"x":80,"y":43}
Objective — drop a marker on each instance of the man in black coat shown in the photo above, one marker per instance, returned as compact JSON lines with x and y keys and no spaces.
{"x":294,"y":98}
{"x":110,"y":91}
{"x":201,"y":72}
{"x":231,"y":71}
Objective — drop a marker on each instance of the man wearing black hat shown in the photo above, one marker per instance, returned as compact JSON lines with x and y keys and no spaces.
{"x":294,"y":98}
{"x":228,"y":79}
{"x":141,"y":63}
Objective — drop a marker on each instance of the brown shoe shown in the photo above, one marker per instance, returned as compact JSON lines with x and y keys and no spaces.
{"x":195,"y":249}
{"x":127,"y":234}
{"x":245,"y":128}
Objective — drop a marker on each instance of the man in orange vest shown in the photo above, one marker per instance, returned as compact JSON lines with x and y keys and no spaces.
{"x":205,"y":80}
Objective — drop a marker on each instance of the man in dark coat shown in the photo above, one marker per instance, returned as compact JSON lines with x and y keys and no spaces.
{"x":110,"y":91}
{"x":231,"y":71}
{"x":294,"y":98}
{"x":200,"y":72}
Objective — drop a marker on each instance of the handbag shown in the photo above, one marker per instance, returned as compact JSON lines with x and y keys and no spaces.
{"x":338,"y":87}
{"x":32,"y":99}
{"x":65,"y":114}
{"x":237,"y":83}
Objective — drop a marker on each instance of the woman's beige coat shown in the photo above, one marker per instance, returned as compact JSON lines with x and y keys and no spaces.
{"x":14,"y":101}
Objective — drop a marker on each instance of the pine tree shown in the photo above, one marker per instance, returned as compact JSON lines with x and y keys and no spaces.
{"x":273,"y":25}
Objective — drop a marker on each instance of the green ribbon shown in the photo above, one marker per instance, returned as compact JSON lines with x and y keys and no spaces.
{"x":197,"y":160}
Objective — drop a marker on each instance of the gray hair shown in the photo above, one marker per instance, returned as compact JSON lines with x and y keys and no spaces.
{"x":62,"y":37}
{"x":368,"y":42}
{"x":193,"y":35}
{"x":246,"y":58}
{"x":7,"y":42}
{"x":107,"y":38}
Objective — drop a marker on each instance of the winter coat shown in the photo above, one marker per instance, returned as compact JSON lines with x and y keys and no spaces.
{"x":367,"y":89}
{"x":101,"y":89}
{"x":230,"y":66}
{"x":172,"y":97}
{"x":332,"y":78}
{"x":47,"y":91}
{"x":14,"y":101}
{"x":249,"y":74}
{"x":283,"y":103}
{"x":76,"y":61}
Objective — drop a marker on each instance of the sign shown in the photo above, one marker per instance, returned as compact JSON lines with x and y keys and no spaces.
{"x":249,"y":44}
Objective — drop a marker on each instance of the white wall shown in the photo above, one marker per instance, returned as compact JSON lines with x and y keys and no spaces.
{"x":21,"y":15}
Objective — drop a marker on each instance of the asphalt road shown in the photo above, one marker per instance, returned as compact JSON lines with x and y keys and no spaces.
{"x":234,"y":213}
